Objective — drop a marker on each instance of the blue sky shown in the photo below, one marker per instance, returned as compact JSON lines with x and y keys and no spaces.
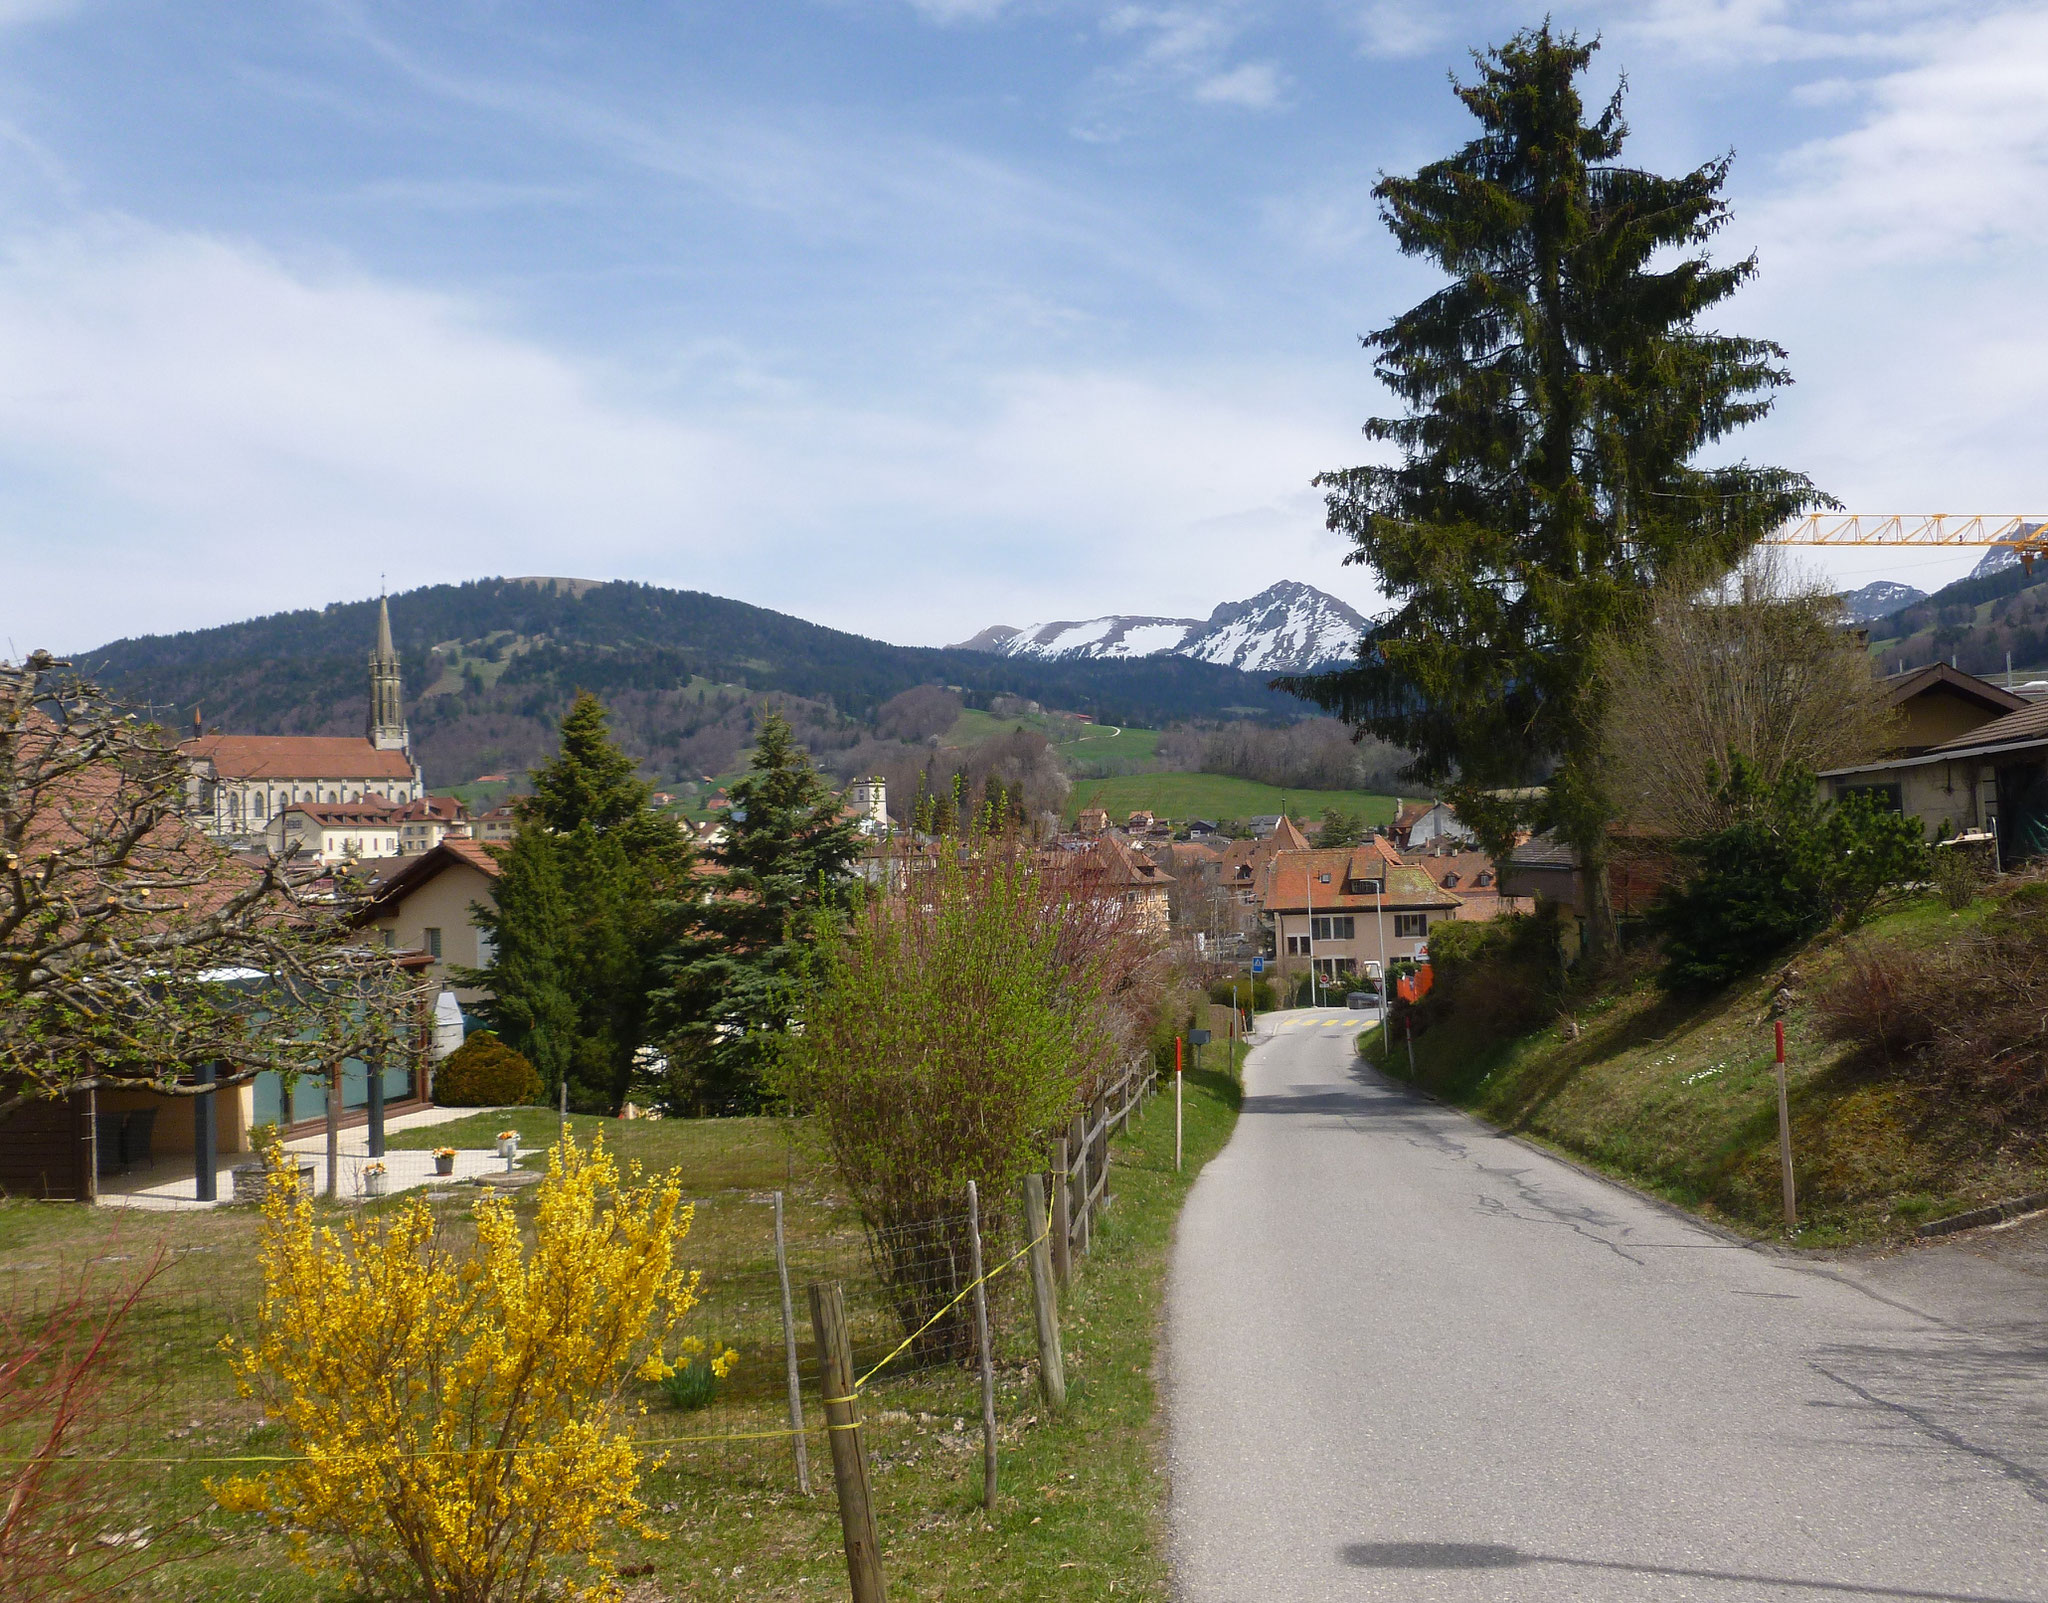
{"x":908,"y":316}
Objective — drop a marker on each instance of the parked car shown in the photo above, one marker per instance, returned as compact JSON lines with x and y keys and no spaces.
{"x":1361,"y":999}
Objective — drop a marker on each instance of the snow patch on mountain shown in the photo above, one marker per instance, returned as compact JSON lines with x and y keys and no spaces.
{"x":1287,"y":628}
{"x":1878,"y":600}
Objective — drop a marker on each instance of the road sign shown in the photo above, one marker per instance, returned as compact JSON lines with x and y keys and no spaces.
{"x":1258,"y":965}
{"x":1198,"y":1038}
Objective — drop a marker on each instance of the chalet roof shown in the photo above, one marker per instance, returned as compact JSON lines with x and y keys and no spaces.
{"x":1544,"y":851}
{"x":297,"y":757}
{"x":371,"y":812}
{"x":416,"y":871}
{"x":1900,"y":688}
{"x":2027,"y":725}
{"x":1293,"y":882}
{"x":443,"y":809}
{"x":1119,"y":865}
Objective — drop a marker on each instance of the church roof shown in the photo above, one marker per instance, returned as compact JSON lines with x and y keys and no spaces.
{"x":298,"y":757}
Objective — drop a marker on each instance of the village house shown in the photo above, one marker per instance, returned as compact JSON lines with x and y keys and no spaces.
{"x":240,"y":784}
{"x":498,"y":826}
{"x":1092,"y":821}
{"x":1348,"y":910}
{"x":426,"y":905}
{"x":1429,"y":826}
{"x":1136,"y":881}
{"x":1972,"y":756}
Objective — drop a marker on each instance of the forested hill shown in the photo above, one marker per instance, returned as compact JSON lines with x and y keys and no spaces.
{"x":491,"y":664}
{"x":1977,"y":621}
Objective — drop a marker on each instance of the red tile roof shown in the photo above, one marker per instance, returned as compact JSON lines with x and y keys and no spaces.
{"x":1285,"y":884}
{"x":371,"y":810}
{"x":298,"y":757}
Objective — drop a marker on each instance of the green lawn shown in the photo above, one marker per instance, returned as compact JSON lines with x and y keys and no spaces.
{"x":1083,"y":1497}
{"x":1218,"y":796}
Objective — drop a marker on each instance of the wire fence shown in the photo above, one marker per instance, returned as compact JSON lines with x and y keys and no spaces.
{"x":921,"y":1370}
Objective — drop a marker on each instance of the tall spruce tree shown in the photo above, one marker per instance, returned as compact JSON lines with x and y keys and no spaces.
{"x":733,"y":982}
{"x":594,"y":889}
{"x":1558,"y":389}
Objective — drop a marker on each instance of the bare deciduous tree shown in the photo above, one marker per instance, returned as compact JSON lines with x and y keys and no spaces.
{"x":134,"y":948}
{"x":1760,"y":664}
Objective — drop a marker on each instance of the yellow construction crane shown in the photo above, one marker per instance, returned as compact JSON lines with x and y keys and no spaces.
{"x":2025,"y":537}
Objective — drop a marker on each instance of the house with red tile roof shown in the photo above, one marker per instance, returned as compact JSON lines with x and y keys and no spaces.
{"x":427,"y":904}
{"x":1348,"y":910}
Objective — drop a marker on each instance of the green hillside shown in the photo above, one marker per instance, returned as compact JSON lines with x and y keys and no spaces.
{"x":1218,"y":796}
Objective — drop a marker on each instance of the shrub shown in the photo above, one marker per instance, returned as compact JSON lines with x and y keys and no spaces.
{"x":952,"y":1032}
{"x":462,"y":1414}
{"x":1970,"y":1014}
{"x":1956,"y":877}
{"x":1788,"y":866}
{"x":484,"y":1072}
{"x":1254,"y":993}
{"x":1502,"y":974}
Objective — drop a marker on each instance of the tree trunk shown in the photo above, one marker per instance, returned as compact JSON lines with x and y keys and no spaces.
{"x":1602,"y":941}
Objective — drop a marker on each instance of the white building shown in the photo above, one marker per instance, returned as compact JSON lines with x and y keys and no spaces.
{"x":868,"y":800}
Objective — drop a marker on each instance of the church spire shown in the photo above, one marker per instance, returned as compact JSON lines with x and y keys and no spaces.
{"x":387,"y":696}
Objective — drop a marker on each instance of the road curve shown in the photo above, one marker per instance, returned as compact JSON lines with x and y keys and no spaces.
{"x":1408,"y":1358}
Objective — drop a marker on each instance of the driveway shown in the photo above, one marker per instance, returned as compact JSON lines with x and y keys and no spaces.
{"x":1412,"y":1359}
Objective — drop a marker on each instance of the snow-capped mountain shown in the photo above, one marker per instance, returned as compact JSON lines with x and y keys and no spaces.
{"x":1879,"y":600}
{"x":1285,"y":628}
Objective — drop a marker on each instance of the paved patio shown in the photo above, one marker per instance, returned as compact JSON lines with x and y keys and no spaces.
{"x":169,"y":1183}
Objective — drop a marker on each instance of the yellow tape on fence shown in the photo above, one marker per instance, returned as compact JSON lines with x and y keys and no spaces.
{"x":861,"y":1384}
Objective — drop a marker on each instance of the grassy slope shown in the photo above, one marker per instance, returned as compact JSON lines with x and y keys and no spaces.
{"x":1678,"y":1097}
{"x":1216,"y":796}
{"x":1084,"y":1497}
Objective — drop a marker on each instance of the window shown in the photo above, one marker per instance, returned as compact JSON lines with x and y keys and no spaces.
{"x":1333,"y":929}
{"x":390,"y":940}
{"x":1365,"y":887}
{"x":1297,"y":946}
{"x":256,"y":806}
{"x":1410,"y":926}
{"x":486,"y":949}
{"x":434,"y":944}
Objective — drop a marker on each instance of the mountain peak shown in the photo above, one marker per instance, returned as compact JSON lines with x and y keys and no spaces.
{"x":1286,"y":628}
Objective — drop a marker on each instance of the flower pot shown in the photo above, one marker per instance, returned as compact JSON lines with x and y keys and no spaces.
{"x":508,"y":1146}
{"x":252,"y":1180}
{"x":375,"y":1185}
{"x":444,"y":1165}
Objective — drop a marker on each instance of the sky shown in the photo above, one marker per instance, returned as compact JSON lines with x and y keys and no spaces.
{"x":904,"y":316}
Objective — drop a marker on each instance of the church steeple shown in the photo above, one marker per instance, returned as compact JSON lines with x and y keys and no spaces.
{"x":387,"y":697}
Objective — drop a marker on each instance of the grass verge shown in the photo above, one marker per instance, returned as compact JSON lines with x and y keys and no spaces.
{"x":1678,"y":1097}
{"x":1083,"y":1496}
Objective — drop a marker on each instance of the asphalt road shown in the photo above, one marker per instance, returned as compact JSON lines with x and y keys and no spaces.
{"x":1408,"y":1358}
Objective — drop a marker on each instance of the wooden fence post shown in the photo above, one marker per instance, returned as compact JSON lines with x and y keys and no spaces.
{"x":796,"y":1393}
{"x":1045,"y":1308}
{"x":988,"y":1367}
{"x":1078,"y":1137}
{"x":1062,"y":1210}
{"x":849,"y":1458}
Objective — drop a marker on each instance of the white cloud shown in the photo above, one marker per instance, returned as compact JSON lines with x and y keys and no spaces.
{"x":1256,"y":85}
{"x":1400,"y":28}
{"x":1951,"y":157}
{"x":193,"y":430}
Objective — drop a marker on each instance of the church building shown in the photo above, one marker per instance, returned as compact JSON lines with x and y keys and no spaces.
{"x":242,"y":785}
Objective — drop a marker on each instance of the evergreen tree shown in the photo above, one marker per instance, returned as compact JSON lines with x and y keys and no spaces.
{"x":733,"y":983}
{"x":529,"y":1004}
{"x":593,"y":891}
{"x":1557,"y":390}
{"x":1341,"y":829}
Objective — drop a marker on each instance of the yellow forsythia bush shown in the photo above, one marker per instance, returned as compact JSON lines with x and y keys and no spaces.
{"x":462,"y":1413}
